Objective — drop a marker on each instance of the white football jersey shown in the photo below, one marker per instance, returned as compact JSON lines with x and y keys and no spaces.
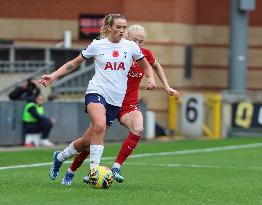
{"x":112,"y":63}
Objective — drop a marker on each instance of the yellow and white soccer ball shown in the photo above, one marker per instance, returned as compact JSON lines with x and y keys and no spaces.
{"x":100,"y":177}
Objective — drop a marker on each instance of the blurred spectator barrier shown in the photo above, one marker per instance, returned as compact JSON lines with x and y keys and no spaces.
{"x":71,"y":122}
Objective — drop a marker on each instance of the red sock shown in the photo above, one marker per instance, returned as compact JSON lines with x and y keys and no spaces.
{"x":127,"y":147}
{"x":79,"y":159}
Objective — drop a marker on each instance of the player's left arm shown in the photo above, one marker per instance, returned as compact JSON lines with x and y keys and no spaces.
{"x":161,"y":75}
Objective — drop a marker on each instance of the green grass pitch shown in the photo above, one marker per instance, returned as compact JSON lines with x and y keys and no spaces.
{"x":158,"y":173}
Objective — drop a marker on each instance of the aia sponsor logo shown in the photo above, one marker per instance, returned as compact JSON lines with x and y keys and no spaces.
{"x":115,"y":66}
{"x":115,"y":54}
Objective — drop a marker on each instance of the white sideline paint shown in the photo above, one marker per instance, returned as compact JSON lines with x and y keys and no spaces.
{"x":182,"y":152}
{"x":203,"y":150}
{"x":195,"y":166}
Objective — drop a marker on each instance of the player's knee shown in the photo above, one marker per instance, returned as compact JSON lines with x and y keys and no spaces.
{"x":138,"y":130}
{"x":99,"y":128}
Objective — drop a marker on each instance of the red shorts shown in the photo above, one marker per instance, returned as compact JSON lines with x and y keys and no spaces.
{"x":126,"y":109}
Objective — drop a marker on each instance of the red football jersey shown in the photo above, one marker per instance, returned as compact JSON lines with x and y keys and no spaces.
{"x":135,"y":76}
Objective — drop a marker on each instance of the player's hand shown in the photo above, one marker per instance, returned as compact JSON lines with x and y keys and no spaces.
{"x":151,"y":84}
{"x":172,"y":92}
{"x":46,"y":80}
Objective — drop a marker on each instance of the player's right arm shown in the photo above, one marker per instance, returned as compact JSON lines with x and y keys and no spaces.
{"x":143,"y":63}
{"x":68,"y":67}
{"x":161,"y":75}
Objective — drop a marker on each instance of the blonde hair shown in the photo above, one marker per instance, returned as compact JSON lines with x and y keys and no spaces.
{"x":136,"y":28}
{"x":108,"y":21}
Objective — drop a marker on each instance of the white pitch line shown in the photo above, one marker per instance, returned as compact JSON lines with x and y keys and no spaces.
{"x":195,"y":166}
{"x":182,"y":152}
{"x":202,"y":150}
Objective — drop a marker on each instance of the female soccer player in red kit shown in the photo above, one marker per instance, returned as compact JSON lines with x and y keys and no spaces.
{"x":129,"y":114}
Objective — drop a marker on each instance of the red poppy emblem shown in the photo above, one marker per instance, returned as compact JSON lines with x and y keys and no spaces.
{"x":115,"y":54}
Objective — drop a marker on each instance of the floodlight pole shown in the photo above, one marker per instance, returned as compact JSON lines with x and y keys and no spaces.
{"x":238,"y":43}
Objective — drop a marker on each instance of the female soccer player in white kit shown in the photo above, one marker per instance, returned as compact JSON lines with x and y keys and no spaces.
{"x":113,"y":58}
{"x":129,"y":114}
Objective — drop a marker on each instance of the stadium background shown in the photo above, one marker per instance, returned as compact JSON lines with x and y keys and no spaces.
{"x":197,"y":172}
{"x":172,"y":26}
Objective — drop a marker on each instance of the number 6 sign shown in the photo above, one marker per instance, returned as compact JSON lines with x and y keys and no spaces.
{"x":192,"y":114}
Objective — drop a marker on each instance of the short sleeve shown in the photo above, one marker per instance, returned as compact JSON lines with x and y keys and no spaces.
{"x":89,"y":51}
{"x":137,"y":54}
{"x":149,"y":56}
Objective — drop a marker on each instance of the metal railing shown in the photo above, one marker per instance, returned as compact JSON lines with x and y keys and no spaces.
{"x":21,"y":65}
{"x":44,"y":69}
{"x":74,"y":83}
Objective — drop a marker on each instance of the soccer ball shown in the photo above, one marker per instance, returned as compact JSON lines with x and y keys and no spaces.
{"x":100,"y":177}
